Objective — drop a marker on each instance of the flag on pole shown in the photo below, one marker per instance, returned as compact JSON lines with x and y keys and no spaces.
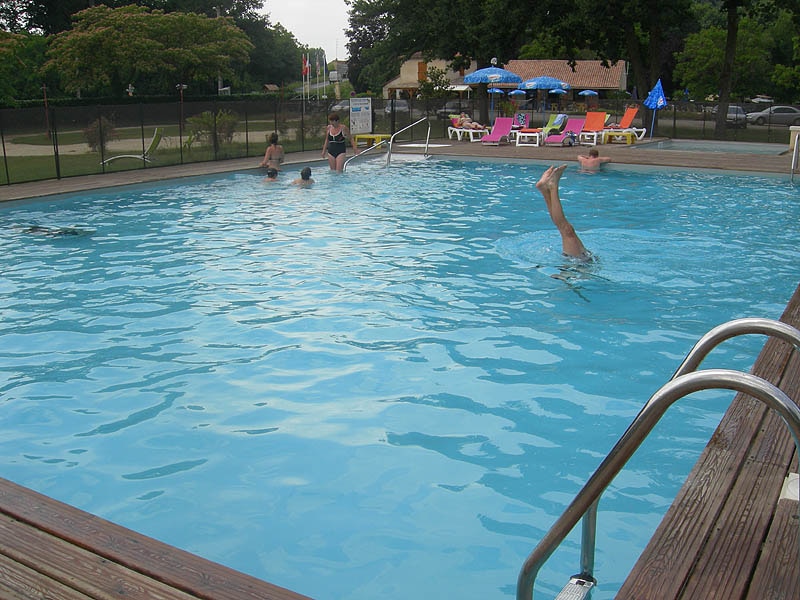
{"x":318,"y":69}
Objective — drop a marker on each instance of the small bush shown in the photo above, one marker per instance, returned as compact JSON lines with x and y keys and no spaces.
{"x":98,"y":134}
{"x":202,"y":127}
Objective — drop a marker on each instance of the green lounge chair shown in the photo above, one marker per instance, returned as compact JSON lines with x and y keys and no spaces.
{"x":157,"y":135}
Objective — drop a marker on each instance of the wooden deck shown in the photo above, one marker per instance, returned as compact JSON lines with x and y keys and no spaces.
{"x":53,"y":551}
{"x":728,"y":534}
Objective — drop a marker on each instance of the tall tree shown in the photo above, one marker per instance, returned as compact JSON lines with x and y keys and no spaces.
{"x":110,"y":48}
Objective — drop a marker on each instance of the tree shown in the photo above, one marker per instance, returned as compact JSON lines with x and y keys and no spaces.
{"x":109,"y":48}
{"x":437,"y":85}
{"x":699,"y":64}
{"x":21,"y":56}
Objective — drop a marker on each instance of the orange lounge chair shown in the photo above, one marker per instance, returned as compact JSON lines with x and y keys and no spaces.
{"x":625,"y":126}
{"x":592,"y":131}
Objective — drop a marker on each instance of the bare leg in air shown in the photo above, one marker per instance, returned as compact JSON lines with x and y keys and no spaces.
{"x":548,"y":186}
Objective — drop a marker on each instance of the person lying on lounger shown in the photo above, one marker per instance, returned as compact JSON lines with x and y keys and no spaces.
{"x":571,"y":244}
{"x":465,"y":122}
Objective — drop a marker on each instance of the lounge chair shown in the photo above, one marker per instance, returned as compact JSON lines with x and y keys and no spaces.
{"x":533,"y":136}
{"x":460,"y":132}
{"x":592,"y":131}
{"x":555,"y":124}
{"x":145,"y":156}
{"x":572,"y":130}
{"x":522,"y":120}
{"x":501,"y":129}
{"x":624,"y":129}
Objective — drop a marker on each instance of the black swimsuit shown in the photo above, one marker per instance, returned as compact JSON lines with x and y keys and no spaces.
{"x":336,"y":144}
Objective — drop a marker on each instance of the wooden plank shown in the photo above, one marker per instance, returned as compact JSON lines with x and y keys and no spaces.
{"x":76,"y":568}
{"x":724,"y":564}
{"x":708,"y":541}
{"x":666,"y":563}
{"x":18,"y":582}
{"x":776,"y":574}
{"x":171,"y":566}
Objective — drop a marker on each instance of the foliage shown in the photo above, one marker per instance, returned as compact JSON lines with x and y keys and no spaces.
{"x":699,"y":64}
{"x":20,"y":57}
{"x":99,"y":133}
{"x":203,"y":127}
{"x":437,"y":85}
{"x":109,"y":48}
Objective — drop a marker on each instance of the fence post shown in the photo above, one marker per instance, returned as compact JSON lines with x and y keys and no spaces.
{"x":55,"y":144}
{"x":5,"y":156}
{"x":215,"y":136}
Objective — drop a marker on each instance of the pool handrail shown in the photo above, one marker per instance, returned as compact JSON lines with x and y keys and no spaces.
{"x":686,"y":380}
{"x":391,"y":141}
{"x":795,"y":155}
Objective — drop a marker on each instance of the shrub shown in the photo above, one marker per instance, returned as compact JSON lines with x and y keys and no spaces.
{"x":98,"y":133}
{"x":202,"y":127}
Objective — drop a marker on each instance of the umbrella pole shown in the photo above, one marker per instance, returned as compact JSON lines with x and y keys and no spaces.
{"x":652,"y":124}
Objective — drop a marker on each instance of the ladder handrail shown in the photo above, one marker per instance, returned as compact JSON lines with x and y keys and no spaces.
{"x":370,"y":149}
{"x":686,"y":380}
{"x":795,"y":155}
{"x":391,"y":140}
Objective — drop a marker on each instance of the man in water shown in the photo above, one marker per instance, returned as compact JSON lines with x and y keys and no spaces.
{"x":54,"y":231}
{"x":571,"y":244}
{"x":593,"y":161}
{"x":305,"y":178}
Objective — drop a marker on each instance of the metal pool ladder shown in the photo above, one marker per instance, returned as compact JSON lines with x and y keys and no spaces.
{"x":686,"y":380}
{"x":795,"y":154}
{"x":390,"y":142}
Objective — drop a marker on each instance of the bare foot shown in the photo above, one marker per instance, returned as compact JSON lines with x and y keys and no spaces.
{"x":557,"y":173}
{"x":543,"y":183}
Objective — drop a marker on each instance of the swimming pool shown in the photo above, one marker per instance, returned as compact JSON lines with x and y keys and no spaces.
{"x":375,"y":387}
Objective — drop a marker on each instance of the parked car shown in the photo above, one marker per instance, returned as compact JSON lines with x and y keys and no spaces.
{"x":399,"y":106}
{"x":453,"y":107}
{"x":775,"y":115}
{"x":736,"y":116}
{"x":341,"y":106}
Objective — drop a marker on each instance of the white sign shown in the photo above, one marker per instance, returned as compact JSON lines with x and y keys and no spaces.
{"x":360,"y":115}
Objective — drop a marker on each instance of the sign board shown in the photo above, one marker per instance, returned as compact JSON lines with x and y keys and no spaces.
{"x":333,"y":75}
{"x":360,"y":115}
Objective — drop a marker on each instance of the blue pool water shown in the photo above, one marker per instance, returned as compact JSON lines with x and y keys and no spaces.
{"x":374,"y":387}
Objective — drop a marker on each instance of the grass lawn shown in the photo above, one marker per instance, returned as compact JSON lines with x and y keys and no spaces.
{"x":36,"y":168}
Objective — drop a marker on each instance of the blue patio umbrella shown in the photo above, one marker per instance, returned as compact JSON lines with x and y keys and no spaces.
{"x":516,"y":92}
{"x":587,"y":93}
{"x":493,"y":75}
{"x":544,"y":83}
{"x":558,"y":91}
{"x":656,"y":100}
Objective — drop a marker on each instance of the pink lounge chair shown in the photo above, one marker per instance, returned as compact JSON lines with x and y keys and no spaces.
{"x":573,"y":126}
{"x":501,"y":129}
